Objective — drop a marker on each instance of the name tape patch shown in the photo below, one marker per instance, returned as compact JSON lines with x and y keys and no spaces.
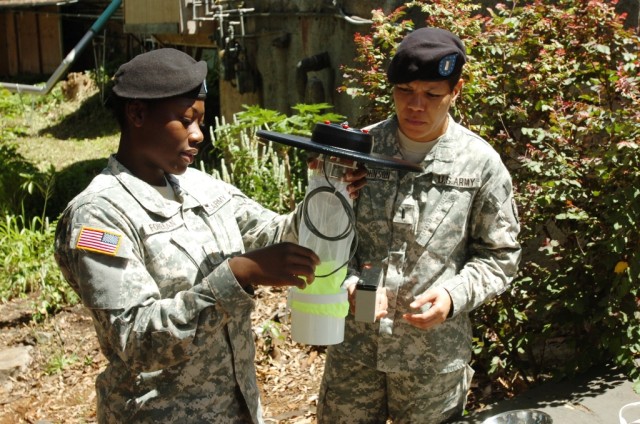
{"x":378,"y":174}
{"x":465,"y":181}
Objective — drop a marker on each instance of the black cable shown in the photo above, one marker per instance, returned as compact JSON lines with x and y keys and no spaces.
{"x":348,"y":210}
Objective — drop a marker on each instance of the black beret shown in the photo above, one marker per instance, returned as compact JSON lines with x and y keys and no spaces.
{"x":428,"y":54}
{"x":161,"y":74}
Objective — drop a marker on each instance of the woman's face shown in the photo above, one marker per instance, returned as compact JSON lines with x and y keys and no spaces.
{"x":168,"y":134}
{"x":422,"y":107}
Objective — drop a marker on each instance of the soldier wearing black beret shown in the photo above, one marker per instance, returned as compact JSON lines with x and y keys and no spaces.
{"x":165,"y":256}
{"x":446,"y":241}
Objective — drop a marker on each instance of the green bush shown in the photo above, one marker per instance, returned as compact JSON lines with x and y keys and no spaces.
{"x":14,"y":168}
{"x":272,"y":174}
{"x":28,"y":266}
{"x":554,"y":86}
{"x":563,"y":79}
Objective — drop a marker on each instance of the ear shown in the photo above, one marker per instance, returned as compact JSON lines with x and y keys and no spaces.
{"x":457,"y":89}
{"x":136,"y":112}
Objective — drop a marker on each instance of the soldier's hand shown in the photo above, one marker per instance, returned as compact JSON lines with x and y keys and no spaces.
{"x":357,"y":177}
{"x":432,"y":308}
{"x":282,"y":264}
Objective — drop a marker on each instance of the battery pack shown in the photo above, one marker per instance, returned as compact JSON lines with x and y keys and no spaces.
{"x":366,"y":289}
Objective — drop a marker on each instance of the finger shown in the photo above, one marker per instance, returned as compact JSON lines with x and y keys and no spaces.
{"x":418,"y":320}
{"x":425,"y":319}
{"x":292,"y":280}
{"x":357,"y":173}
{"x":297,"y":267}
{"x":421,"y":300}
{"x":301,"y":255}
{"x":381,"y":314}
{"x":351,"y":295}
{"x":306,"y":271}
{"x":356,"y":185}
{"x":425,"y":314}
{"x":301,"y":283}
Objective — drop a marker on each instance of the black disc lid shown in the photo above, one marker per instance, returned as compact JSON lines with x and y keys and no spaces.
{"x":341,"y":141}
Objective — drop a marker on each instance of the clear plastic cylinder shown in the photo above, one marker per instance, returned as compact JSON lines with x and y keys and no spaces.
{"x":319,"y":310}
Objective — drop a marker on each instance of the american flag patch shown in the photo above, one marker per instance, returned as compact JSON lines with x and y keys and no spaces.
{"x":100,"y":241}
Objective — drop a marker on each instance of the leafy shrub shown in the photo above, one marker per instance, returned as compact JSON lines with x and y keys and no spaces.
{"x":28,"y":266}
{"x":560,"y":99}
{"x":272,"y":174}
{"x":554,"y":86}
{"x":14,"y":168}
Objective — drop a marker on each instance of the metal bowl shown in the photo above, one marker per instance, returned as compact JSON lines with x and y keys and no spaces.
{"x":521,"y":416}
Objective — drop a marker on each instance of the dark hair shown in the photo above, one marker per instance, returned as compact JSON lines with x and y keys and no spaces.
{"x":453,"y":80}
{"x":116,"y":105}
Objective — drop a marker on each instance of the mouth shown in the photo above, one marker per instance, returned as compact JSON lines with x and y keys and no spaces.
{"x":414,"y":122}
{"x":189,"y":155}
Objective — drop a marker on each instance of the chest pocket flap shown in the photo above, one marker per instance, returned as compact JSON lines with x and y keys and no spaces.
{"x":429,"y":225}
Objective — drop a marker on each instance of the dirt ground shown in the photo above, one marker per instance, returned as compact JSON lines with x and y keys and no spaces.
{"x":58,"y":387}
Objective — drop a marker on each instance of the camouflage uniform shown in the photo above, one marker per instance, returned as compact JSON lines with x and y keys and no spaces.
{"x":453,"y":226}
{"x":170,"y":316}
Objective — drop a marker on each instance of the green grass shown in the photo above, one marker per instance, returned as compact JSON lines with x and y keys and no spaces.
{"x":51,"y":130}
{"x":43,"y":150}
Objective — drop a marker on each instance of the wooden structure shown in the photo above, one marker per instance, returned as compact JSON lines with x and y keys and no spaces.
{"x":255,"y":47}
{"x":37,"y":35}
{"x":30,"y":37}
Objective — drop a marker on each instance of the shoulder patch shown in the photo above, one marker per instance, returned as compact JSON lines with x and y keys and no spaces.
{"x":99,"y":241}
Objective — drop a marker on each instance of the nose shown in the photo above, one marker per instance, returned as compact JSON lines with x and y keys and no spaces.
{"x":195,"y":133}
{"x":416,"y":102}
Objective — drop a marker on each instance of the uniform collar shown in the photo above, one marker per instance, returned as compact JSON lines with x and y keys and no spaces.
{"x":438,"y":159}
{"x":146,"y":195}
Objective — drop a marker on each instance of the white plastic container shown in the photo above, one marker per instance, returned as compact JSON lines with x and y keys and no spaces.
{"x":318,"y":312}
{"x":313,"y":329}
{"x":520,"y":416}
{"x":630,"y":413}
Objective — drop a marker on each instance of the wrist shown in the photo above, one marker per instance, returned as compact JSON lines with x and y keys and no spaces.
{"x":239,"y":270}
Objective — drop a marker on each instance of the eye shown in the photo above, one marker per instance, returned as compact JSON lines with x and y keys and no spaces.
{"x":187,"y":122}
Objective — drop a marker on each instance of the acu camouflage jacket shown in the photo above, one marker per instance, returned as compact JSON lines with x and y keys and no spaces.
{"x":170,"y":316}
{"x":453,"y":225}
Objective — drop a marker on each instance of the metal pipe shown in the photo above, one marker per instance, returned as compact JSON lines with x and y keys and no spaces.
{"x":69,"y":59}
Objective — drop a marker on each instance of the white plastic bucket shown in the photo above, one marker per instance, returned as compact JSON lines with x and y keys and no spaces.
{"x":520,"y":416}
{"x":629,"y":412}
{"x":315,"y":329}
